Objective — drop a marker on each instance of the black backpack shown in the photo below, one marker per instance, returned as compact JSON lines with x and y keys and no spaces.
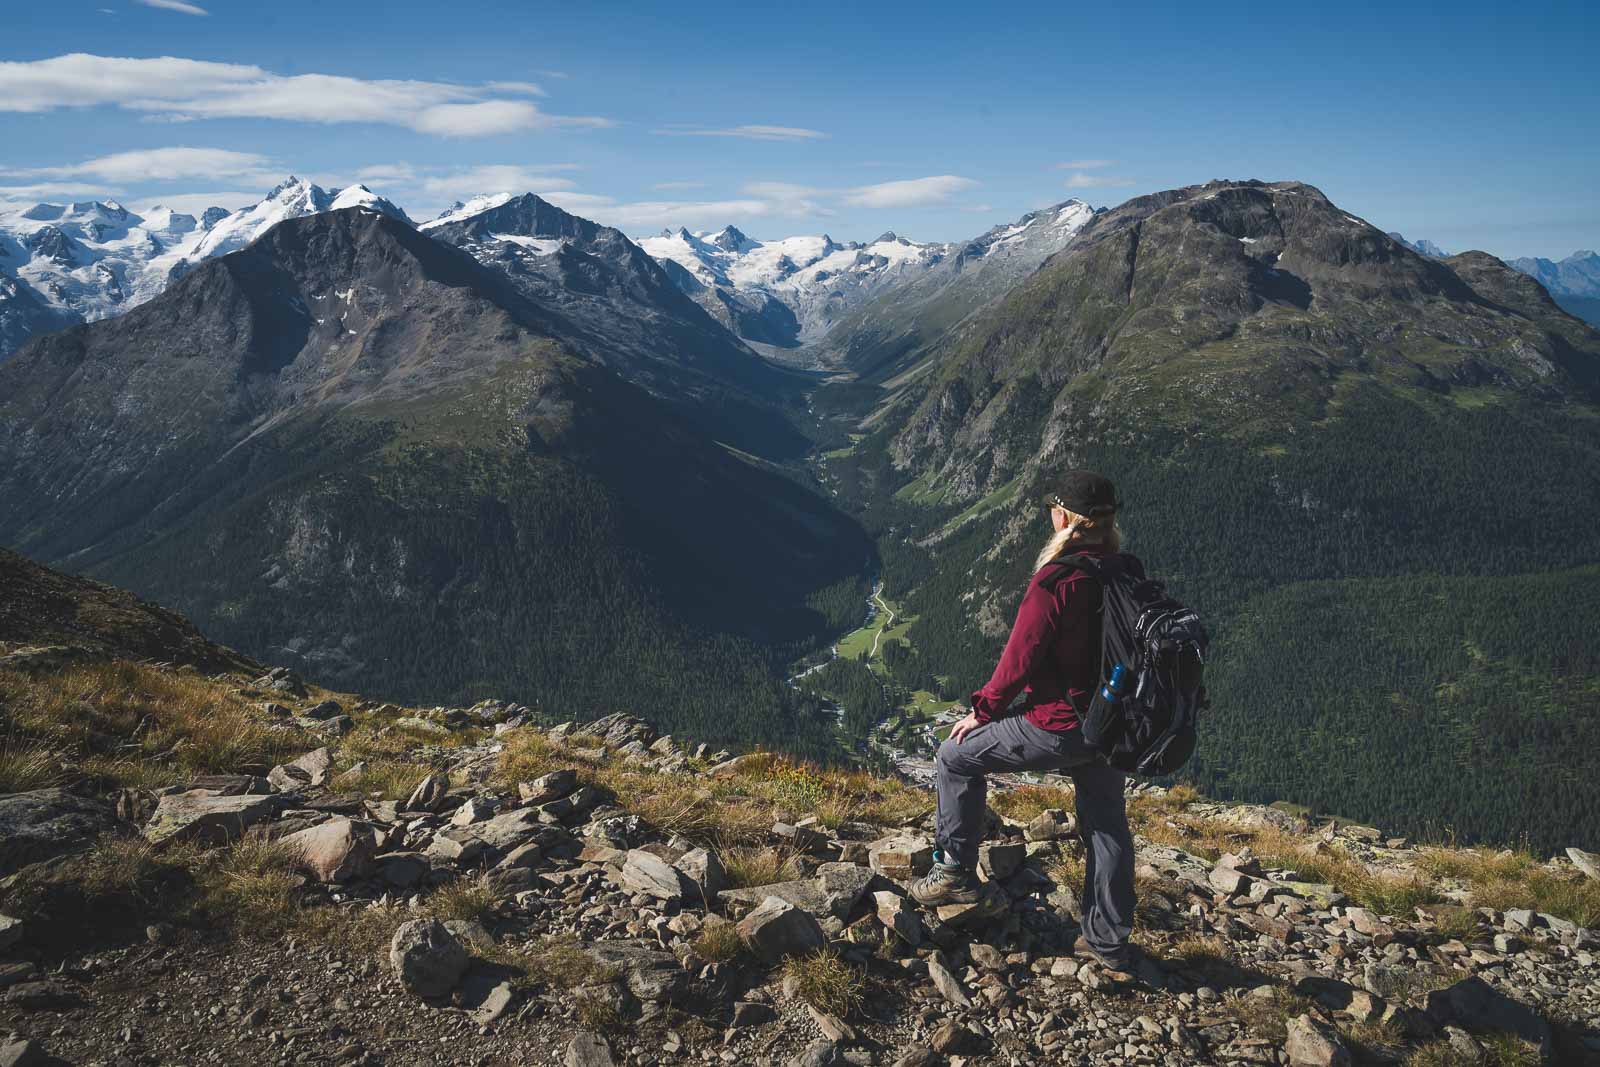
{"x":1151,"y":730}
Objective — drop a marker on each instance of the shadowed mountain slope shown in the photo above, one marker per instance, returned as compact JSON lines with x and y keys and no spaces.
{"x":353,"y":446}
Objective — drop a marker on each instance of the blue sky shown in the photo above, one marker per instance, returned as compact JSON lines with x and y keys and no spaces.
{"x":1469,"y":124}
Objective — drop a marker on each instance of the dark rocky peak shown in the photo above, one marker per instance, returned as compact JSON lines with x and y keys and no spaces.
{"x":212,"y":216}
{"x":887,"y":236}
{"x":44,"y":212}
{"x":52,"y":243}
{"x":528,"y":215}
{"x":731,"y":240}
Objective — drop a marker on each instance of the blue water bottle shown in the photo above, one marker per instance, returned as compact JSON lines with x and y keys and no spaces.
{"x":1116,"y":686}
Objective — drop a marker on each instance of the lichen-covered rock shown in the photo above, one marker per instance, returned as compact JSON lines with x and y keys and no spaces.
{"x":44,"y":823}
{"x":208,"y":820}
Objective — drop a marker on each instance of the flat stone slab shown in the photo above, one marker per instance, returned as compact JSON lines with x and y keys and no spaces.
{"x":207,"y":819}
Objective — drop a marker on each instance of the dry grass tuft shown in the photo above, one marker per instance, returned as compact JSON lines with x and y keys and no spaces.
{"x":748,"y":866}
{"x":1268,"y":1017}
{"x":1025,"y":802}
{"x":253,"y":886}
{"x":1504,"y":1050}
{"x":718,"y":941}
{"x":826,"y":982}
{"x":26,"y":765}
{"x":559,"y":961}
{"x":469,"y":897}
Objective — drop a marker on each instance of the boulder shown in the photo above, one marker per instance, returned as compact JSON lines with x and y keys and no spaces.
{"x":705,"y":870}
{"x":948,"y":985}
{"x":777,"y":929}
{"x":511,"y":830}
{"x":429,"y":794}
{"x":322,"y":712}
{"x":587,"y":1049}
{"x":208,"y":820}
{"x":803,"y":893}
{"x":336,"y":851}
{"x":1587,"y":862}
{"x":651,"y":974}
{"x":844,"y":884}
{"x":900,"y":859}
{"x":42,"y":824}
{"x":1311,"y":1044}
{"x":475,"y":810}
{"x":427,"y":957}
{"x":1000,"y":860}
{"x":309,"y":770}
{"x":458,"y":845}
{"x":552,"y":786}
{"x":647,"y":873}
{"x":896,"y":913}
{"x":1050,"y":825}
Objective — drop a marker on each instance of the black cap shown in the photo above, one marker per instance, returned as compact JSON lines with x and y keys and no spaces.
{"x":1083,"y":492}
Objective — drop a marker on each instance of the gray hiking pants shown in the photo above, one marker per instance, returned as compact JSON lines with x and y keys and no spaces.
{"x":1015,"y":744}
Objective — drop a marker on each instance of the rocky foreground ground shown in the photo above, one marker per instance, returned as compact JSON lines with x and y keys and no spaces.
{"x":474,"y":886}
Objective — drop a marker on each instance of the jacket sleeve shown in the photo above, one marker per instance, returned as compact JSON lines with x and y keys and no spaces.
{"x":1032,"y":636}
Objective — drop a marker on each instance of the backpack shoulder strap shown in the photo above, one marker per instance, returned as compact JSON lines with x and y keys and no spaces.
{"x":1062,"y":566}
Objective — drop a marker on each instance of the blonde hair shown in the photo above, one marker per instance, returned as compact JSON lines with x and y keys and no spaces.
{"x":1081,"y":530}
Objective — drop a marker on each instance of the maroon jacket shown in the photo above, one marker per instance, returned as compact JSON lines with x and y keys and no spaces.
{"x":1053,"y":652}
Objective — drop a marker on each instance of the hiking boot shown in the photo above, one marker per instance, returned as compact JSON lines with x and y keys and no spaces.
{"x":947,"y":883}
{"x":1134,"y":969}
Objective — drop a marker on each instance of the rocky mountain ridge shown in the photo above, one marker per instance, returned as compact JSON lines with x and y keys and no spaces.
{"x":89,"y":260}
{"x":352,"y":882}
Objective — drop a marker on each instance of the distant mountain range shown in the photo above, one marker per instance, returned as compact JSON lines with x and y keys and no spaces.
{"x":88,"y":260}
{"x":1574,"y":282}
{"x":796,"y":292}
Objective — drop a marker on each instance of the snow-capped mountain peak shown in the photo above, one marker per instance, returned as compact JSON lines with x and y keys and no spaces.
{"x":465,"y":209}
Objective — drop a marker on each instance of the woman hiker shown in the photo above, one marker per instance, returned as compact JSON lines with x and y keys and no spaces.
{"x":1053,"y":655}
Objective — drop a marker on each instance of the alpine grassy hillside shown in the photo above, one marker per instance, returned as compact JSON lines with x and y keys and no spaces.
{"x":1376,"y":472}
{"x":352,"y":447}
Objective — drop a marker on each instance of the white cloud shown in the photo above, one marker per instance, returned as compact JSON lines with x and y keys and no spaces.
{"x":196,"y":203}
{"x":174,"y":5}
{"x":157,"y":164}
{"x":912,"y":192}
{"x":1085,"y":164}
{"x":978,"y":208}
{"x":664,"y":186}
{"x":470,"y":181}
{"x":34,"y":192}
{"x":788,"y":198}
{"x":751,"y":132}
{"x":1096,"y":181}
{"x":525,"y":88}
{"x":175,"y":89}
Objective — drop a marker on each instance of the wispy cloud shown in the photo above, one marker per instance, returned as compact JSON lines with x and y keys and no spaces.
{"x":912,"y":192}
{"x":1096,"y":181}
{"x":156,"y":164}
{"x":175,"y":5}
{"x":36,"y":191}
{"x":1086,"y":164}
{"x":751,"y":132}
{"x":185,"y":89}
{"x":470,"y":181}
{"x":666,"y":186}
